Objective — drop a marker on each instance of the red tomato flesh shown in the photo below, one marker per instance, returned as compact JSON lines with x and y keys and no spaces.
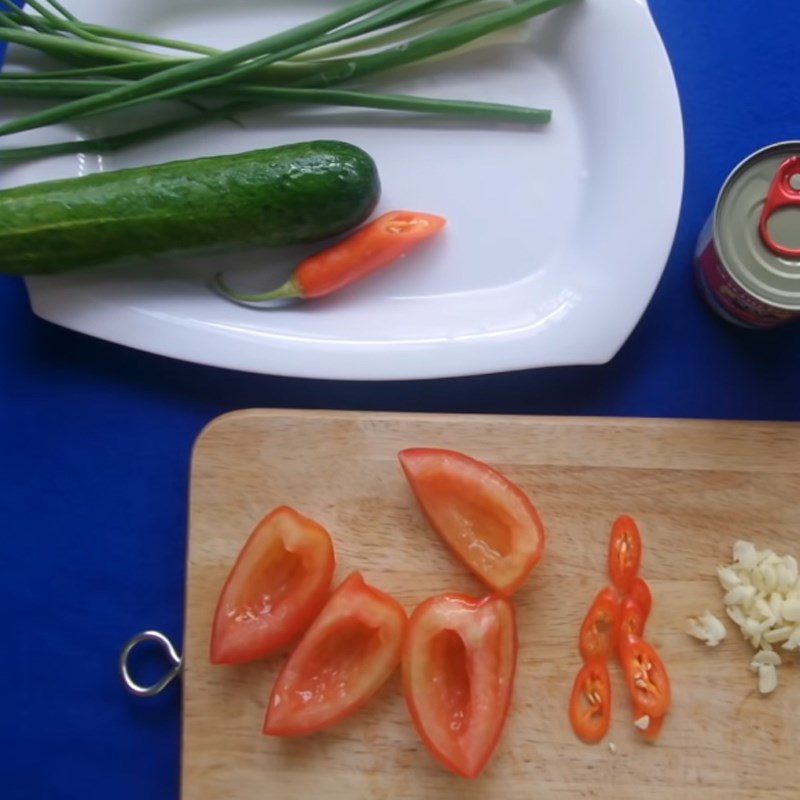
{"x":487,"y":521}
{"x":276,"y":587}
{"x":458,"y":670}
{"x":624,"y":553}
{"x":598,"y":636}
{"x":348,"y":653}
{"x":590,"y":702}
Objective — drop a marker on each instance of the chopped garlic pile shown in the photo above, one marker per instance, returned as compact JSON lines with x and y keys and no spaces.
{"x":763,"y":599}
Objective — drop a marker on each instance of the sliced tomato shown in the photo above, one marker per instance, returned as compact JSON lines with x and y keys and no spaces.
{"x":600,"y":627}
{"x":343,"y":659}
{"x":631,"y":620}
{"x":641,"y":595}
{"x":646,"y":676}
{"x":590,"y":703}
{"x":653,"y":730}
{"x":276,"y":587}
{"x":624,"y":553}
{"x":488,"y":521}
{"x":458,"y":671}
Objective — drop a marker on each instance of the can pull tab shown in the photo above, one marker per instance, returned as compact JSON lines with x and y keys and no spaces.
{"x":785,"y":191}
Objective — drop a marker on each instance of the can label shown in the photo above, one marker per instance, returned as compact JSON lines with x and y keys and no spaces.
{"x":725,"y":295}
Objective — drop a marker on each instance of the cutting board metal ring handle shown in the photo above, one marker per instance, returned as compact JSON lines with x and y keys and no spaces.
{"x":169,"y":651}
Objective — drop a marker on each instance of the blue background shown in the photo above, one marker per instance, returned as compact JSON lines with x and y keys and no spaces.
{"x":95,"y":439}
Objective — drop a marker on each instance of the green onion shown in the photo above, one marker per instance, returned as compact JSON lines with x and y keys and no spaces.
{"x":70,"y":48}
{"x":193,"y":71}
{"x":52,"y":88}
{"x":137,"y":70}
{"x":407,"y":30}
{"x":102,"y":33}
{"x":110,"y":144}
{"x":397,"y":102}
{"x":422,"y":47}
{"x":16,"y":19}
{"x":9,"y":21}
{"x":280,"y":94}
{"x":66,"y":23}
{"x":155,"y":41}
{"x":109,"y":69}
{"x":436,"y":42}
{"x":61,"y":10}
{"x":364,"y":26}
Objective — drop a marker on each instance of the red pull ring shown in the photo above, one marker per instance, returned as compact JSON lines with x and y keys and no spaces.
{"x":781,"y":194}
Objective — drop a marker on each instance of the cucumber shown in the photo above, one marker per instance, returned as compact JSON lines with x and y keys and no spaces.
{"x":279,"y":196}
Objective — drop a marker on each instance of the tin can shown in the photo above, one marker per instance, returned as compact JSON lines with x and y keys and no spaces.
{"x":747,"y":262}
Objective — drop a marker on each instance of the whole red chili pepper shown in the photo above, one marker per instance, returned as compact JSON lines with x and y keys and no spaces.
{"x":370,"y":248}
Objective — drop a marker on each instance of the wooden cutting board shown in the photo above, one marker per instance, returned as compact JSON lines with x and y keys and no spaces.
{"x":694,"y":488}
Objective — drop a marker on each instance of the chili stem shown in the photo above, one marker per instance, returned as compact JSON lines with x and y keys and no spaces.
{"x":287,"y":291}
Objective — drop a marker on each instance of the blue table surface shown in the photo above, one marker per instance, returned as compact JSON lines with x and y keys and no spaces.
{"x":95,"y":439}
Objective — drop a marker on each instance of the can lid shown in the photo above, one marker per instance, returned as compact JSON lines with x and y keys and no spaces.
{"x":757,"y":225}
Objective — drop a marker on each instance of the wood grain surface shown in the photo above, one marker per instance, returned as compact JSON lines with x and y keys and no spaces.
{"x":694,"y":488}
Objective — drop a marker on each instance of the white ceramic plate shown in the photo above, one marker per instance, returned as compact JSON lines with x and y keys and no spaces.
{"x":557,"y":237}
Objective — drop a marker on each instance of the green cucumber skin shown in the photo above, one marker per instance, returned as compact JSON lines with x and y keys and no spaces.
{"x":283,"y":195}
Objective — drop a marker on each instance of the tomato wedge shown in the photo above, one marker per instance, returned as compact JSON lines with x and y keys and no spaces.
{"x":590,"y":702}
{"x":624,"y":553}
{"x":646,"y":676}
{"x":276,"y":587}
{"x":598,"y":636}
{"x":487,"y":520}
{"x":458,"y":671}
{"x":343,"y":659}
{"x":632,"y":619}
{"x":641,"y":595}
